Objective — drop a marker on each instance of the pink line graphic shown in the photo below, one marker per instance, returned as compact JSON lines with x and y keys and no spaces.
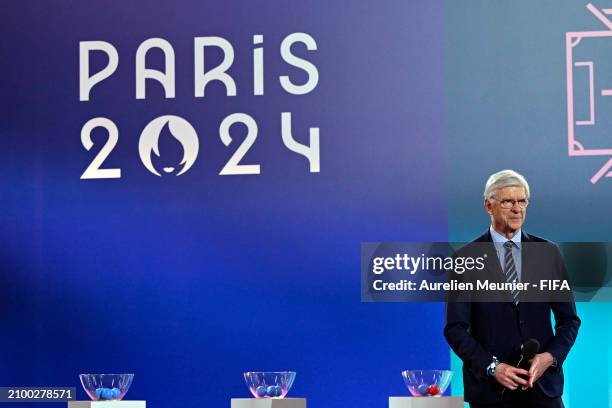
{"x":602,"y":171}
{"x":572,"y":39}
{"x":591,"y":120}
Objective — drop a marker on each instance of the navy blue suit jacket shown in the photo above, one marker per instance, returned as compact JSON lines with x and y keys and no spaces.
{"x":477,"y":331}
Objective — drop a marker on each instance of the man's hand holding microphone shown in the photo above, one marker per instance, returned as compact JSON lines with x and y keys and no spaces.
{"x":528,"y":370}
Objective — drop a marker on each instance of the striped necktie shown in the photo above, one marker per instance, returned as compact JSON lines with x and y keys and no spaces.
{"x":510,"y":269}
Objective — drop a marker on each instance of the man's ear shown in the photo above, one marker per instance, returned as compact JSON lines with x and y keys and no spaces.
{"x":488,"y":206}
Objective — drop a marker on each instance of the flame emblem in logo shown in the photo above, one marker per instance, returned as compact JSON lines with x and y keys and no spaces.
{"x":180,"y":129}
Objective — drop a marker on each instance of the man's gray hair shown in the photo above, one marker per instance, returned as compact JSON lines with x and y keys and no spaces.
{"x":503,"y":179}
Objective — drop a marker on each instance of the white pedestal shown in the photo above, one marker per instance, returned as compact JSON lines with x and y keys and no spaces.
{"x":268,"y":403}
{"x":107,"y":404}
{"x":425,"y":402}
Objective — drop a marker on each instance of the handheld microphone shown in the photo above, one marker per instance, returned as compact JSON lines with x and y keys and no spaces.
{"x":529,"y":350}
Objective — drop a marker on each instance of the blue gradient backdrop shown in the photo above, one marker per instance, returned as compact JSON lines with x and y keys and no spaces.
{"x":189,"y":281}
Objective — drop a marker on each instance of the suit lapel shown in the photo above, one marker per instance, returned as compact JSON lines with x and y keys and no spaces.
{"x":497,"y":274}
{"x":527,"y":258}
{"x":495,"y":263}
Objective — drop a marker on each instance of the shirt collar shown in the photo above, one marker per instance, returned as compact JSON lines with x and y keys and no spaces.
{"x":500,"y":239}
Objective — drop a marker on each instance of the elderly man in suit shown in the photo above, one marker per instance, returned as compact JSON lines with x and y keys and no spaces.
{"x":488,"y":336}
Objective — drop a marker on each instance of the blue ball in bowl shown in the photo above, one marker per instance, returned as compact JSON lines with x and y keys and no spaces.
{"x":274,"y":391}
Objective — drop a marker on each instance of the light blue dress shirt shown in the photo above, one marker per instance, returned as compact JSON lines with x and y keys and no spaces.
{"x":499,"y":240}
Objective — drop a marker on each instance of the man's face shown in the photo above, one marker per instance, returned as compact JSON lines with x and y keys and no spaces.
{"x":507,"y":220}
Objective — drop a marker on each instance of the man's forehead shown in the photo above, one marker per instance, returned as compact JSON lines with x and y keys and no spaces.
{"x":511,"y":192}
